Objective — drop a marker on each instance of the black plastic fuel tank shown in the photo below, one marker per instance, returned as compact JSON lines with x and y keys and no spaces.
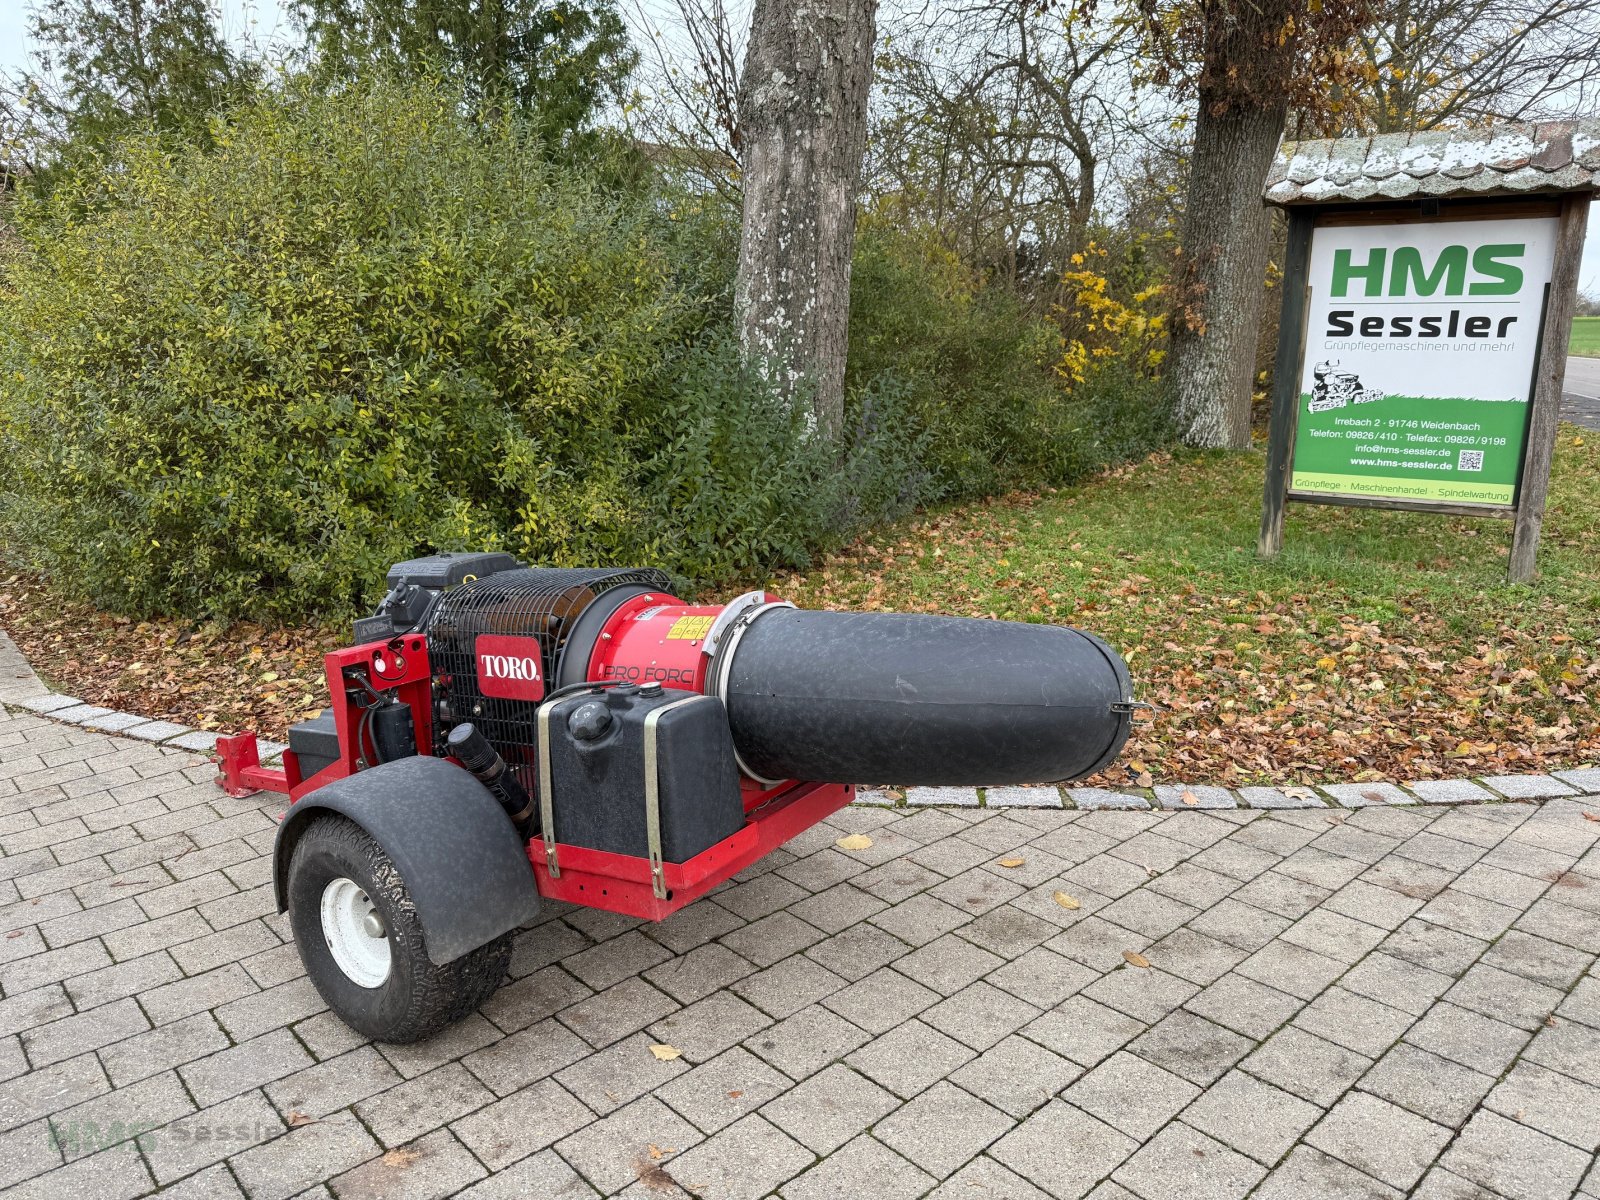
{"x":903,"y":698}
{"x":602,"y":748}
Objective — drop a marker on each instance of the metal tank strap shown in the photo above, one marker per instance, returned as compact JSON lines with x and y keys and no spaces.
{"x":547,"y":804}
{"x":652,"y":790}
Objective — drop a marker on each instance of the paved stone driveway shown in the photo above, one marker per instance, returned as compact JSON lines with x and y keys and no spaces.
{"x":1395,"y":1000}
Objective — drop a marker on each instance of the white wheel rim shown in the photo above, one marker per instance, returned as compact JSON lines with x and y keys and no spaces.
{"x":353,"y":929}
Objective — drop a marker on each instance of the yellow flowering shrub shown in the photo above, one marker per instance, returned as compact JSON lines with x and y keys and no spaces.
{"x":1098,"y":326}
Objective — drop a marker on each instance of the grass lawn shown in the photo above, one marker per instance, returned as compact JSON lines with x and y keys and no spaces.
{"x":1586,"y":336}
{"x":1380,"y":645}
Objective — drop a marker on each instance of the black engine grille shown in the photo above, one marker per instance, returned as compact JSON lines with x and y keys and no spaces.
{"x":541,"y":603}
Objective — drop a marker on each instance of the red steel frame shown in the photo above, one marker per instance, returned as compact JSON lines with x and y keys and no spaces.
{"x":399,"y":664}
{"x":594,"y":878}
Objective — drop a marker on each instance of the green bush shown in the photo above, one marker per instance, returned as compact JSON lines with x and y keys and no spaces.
{"x":978,"y":373}
{"x":242,"y":382}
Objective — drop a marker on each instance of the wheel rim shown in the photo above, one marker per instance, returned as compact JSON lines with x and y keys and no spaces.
{"x":354,"y":931}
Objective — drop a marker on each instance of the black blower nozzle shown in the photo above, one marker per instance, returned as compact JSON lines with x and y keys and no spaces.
{"x":904,"y":698}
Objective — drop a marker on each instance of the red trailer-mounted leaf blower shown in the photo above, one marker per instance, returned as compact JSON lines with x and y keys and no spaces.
{"x":501,"y":733}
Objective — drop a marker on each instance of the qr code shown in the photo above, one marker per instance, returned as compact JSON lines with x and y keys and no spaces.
{"x":1469,"y":460}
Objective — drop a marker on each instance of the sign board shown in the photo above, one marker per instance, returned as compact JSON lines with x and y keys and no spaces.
{"x":1418,"y":369}
{"x":1420,"y":356}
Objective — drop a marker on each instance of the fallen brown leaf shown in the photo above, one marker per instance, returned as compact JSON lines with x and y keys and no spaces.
{"x":1375,"y":796}
{"x":1067,"y":901}
{"x":666,"y":1053}
{"x":402,"y":1157}
{"x":1135,"y":958}
{"x":1590,"y":816}
{"x":297,"y":1118}
{"x":1145,"y":779}
{"x":854,"y":841}
{"x":1012,"y":861}
{"x":1189,"y":797}
{"x":15,"y":933}
{"x":735,"y":1094}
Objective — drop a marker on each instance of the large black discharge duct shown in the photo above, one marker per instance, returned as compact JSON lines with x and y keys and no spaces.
{"x":909,"y":699}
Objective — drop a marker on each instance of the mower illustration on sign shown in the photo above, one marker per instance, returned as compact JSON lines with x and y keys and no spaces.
{"x":1333,"y":388}
{"x":501,"y":734}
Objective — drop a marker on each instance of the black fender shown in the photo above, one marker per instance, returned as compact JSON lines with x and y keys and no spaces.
{"x":466,"y":869}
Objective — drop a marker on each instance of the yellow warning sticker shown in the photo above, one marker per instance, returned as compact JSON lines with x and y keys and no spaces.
{"x":690,"y":629}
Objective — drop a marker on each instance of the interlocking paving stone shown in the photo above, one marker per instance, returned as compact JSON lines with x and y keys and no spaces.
{"x":909,"y":1058}
{"x":1550,"y":1102}
{"x":1016,"y":1075}
{"x":1181,"y":1161}
{"x":828,"y":1109}
{"x":865,"y":1167}
{"x":1309,"y":1174}
{"x":1251,"y":1116}
{"x":745,"y":1161}
{"x":1351,"y":1003}
{"x":437,"y":1165}
{"x":942,"y":1128}
{"x":1306,"y":1065}
{"x":1377,"y":1137}
{"x":1063,"y":1149}
{"x":1515,"y":1161}
{"x":1131,"y":1094}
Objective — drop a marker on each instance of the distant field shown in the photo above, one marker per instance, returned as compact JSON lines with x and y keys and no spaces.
{"x":1586,"y":336}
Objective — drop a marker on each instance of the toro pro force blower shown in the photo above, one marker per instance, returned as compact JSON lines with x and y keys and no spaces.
{"x":502,"y":733}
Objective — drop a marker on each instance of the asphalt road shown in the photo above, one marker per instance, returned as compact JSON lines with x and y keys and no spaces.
{"x":1580,"y":395}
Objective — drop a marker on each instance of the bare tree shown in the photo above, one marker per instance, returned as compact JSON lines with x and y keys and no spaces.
{"x":993,"y":127}
{"x":1441,"y":62}
{"x":694,"y":51}
{"x":801,"y":131}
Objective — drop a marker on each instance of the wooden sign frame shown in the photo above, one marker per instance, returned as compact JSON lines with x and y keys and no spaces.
{"x":1526,"y":512}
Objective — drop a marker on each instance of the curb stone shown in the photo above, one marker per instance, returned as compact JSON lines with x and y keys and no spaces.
{"x":28,"y":692}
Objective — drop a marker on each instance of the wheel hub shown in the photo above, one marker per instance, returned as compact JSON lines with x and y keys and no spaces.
{"x":354,"y":931}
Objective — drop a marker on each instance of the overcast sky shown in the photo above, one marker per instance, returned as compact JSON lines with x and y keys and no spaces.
{"x":264,"y":21}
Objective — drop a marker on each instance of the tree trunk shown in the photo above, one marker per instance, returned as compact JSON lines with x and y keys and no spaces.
{"x":1226,"y":238}
{"x":802,"y":131}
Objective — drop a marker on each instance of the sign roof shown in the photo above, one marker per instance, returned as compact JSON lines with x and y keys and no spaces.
{"x":1506,"y":159}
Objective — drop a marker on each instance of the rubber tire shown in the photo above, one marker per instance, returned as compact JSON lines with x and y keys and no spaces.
{"x":419,"y":998}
